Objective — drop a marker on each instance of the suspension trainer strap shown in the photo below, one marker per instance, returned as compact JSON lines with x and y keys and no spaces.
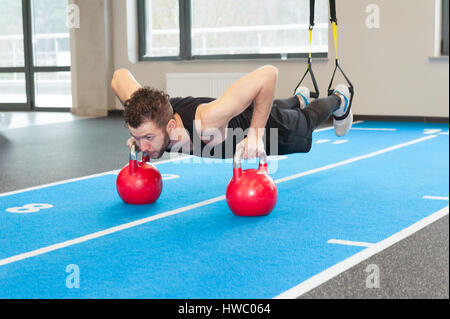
{"x":309,"y":69}
{"x":311,"y":13}
{"x":311,"y":27}
{"x":333,"y":20}
{"x":311,"y":24}
{"x":333,"y":11}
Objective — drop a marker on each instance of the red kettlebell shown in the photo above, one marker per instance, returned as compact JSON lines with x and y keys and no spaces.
{"x":139,"y":183}
{"x":251,"y":192}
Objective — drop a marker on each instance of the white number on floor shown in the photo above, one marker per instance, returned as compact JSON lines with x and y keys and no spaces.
{"x":28,"y":208}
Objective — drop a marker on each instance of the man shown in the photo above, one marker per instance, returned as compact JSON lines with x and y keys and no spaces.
{"x":206,"y":126}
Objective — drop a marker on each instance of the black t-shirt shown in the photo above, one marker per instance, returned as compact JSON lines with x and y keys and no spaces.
{"x":237,"y":126}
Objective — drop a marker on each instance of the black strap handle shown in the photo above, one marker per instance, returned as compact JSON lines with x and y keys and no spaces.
{"x":309,"y":70}
{"x":333,"y":11}
{"x":311,"y":13}
{"x":350,"y":88}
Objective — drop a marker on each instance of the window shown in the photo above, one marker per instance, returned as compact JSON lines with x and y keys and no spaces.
{"x":445,"y":9}
{"x":162,"y":28}
{"x":218,"y":29}
{"x":51,"y":54}
{"x":34,"y":55}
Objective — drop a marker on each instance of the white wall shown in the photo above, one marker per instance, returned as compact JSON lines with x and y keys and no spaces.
{"x":390,"y":67}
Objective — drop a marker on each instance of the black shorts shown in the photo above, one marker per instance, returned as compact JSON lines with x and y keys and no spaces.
{"x":293,"y":126}
{"x":288,"y":129}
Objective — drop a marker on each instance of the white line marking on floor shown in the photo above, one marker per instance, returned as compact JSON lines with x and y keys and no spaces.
{"x":349,"y":243}
{"x":373,"y":129}
{"x":105,"y":232}
{"x":115,"y":172}
{"x":183,"y":209}
{"x":321,"y":141}
{"x":431,"y":131}
{"x":355,"y":159}
{"x":435,"y":197}
{"x":167,"y":177}
{"x":332,"y":127}
{"x":340,"y":142}
{"x":324,"y":129}
{"x":346,"y":264}
{"x":276,"y":157}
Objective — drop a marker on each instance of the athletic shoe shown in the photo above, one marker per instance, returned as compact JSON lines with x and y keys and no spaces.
{"x":342,"y":126}
{"x":305,"y":96}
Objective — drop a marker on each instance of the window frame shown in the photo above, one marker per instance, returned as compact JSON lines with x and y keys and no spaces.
{"x":29,"y":69}
{"x":185,"y":17}
{"x":444,"y":28}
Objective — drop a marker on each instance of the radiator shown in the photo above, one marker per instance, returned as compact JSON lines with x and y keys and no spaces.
{"x":199,"y":84}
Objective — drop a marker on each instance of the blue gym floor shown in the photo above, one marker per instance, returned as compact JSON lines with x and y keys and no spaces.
{"x":378,"y":180}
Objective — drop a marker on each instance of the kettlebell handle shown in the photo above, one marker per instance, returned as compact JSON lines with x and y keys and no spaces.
{"x":237,"y":159}
{"x":134,"y":150}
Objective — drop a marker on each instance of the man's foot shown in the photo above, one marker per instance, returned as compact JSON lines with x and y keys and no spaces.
{"x":342,"y":125}
{"x":304,"y":96}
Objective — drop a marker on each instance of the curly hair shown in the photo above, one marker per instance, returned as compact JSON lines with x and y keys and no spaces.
{"x":148,"y":104}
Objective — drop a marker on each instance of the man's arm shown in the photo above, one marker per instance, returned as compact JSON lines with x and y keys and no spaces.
{"x":258,"y":87}
{"x":124,"y":84}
